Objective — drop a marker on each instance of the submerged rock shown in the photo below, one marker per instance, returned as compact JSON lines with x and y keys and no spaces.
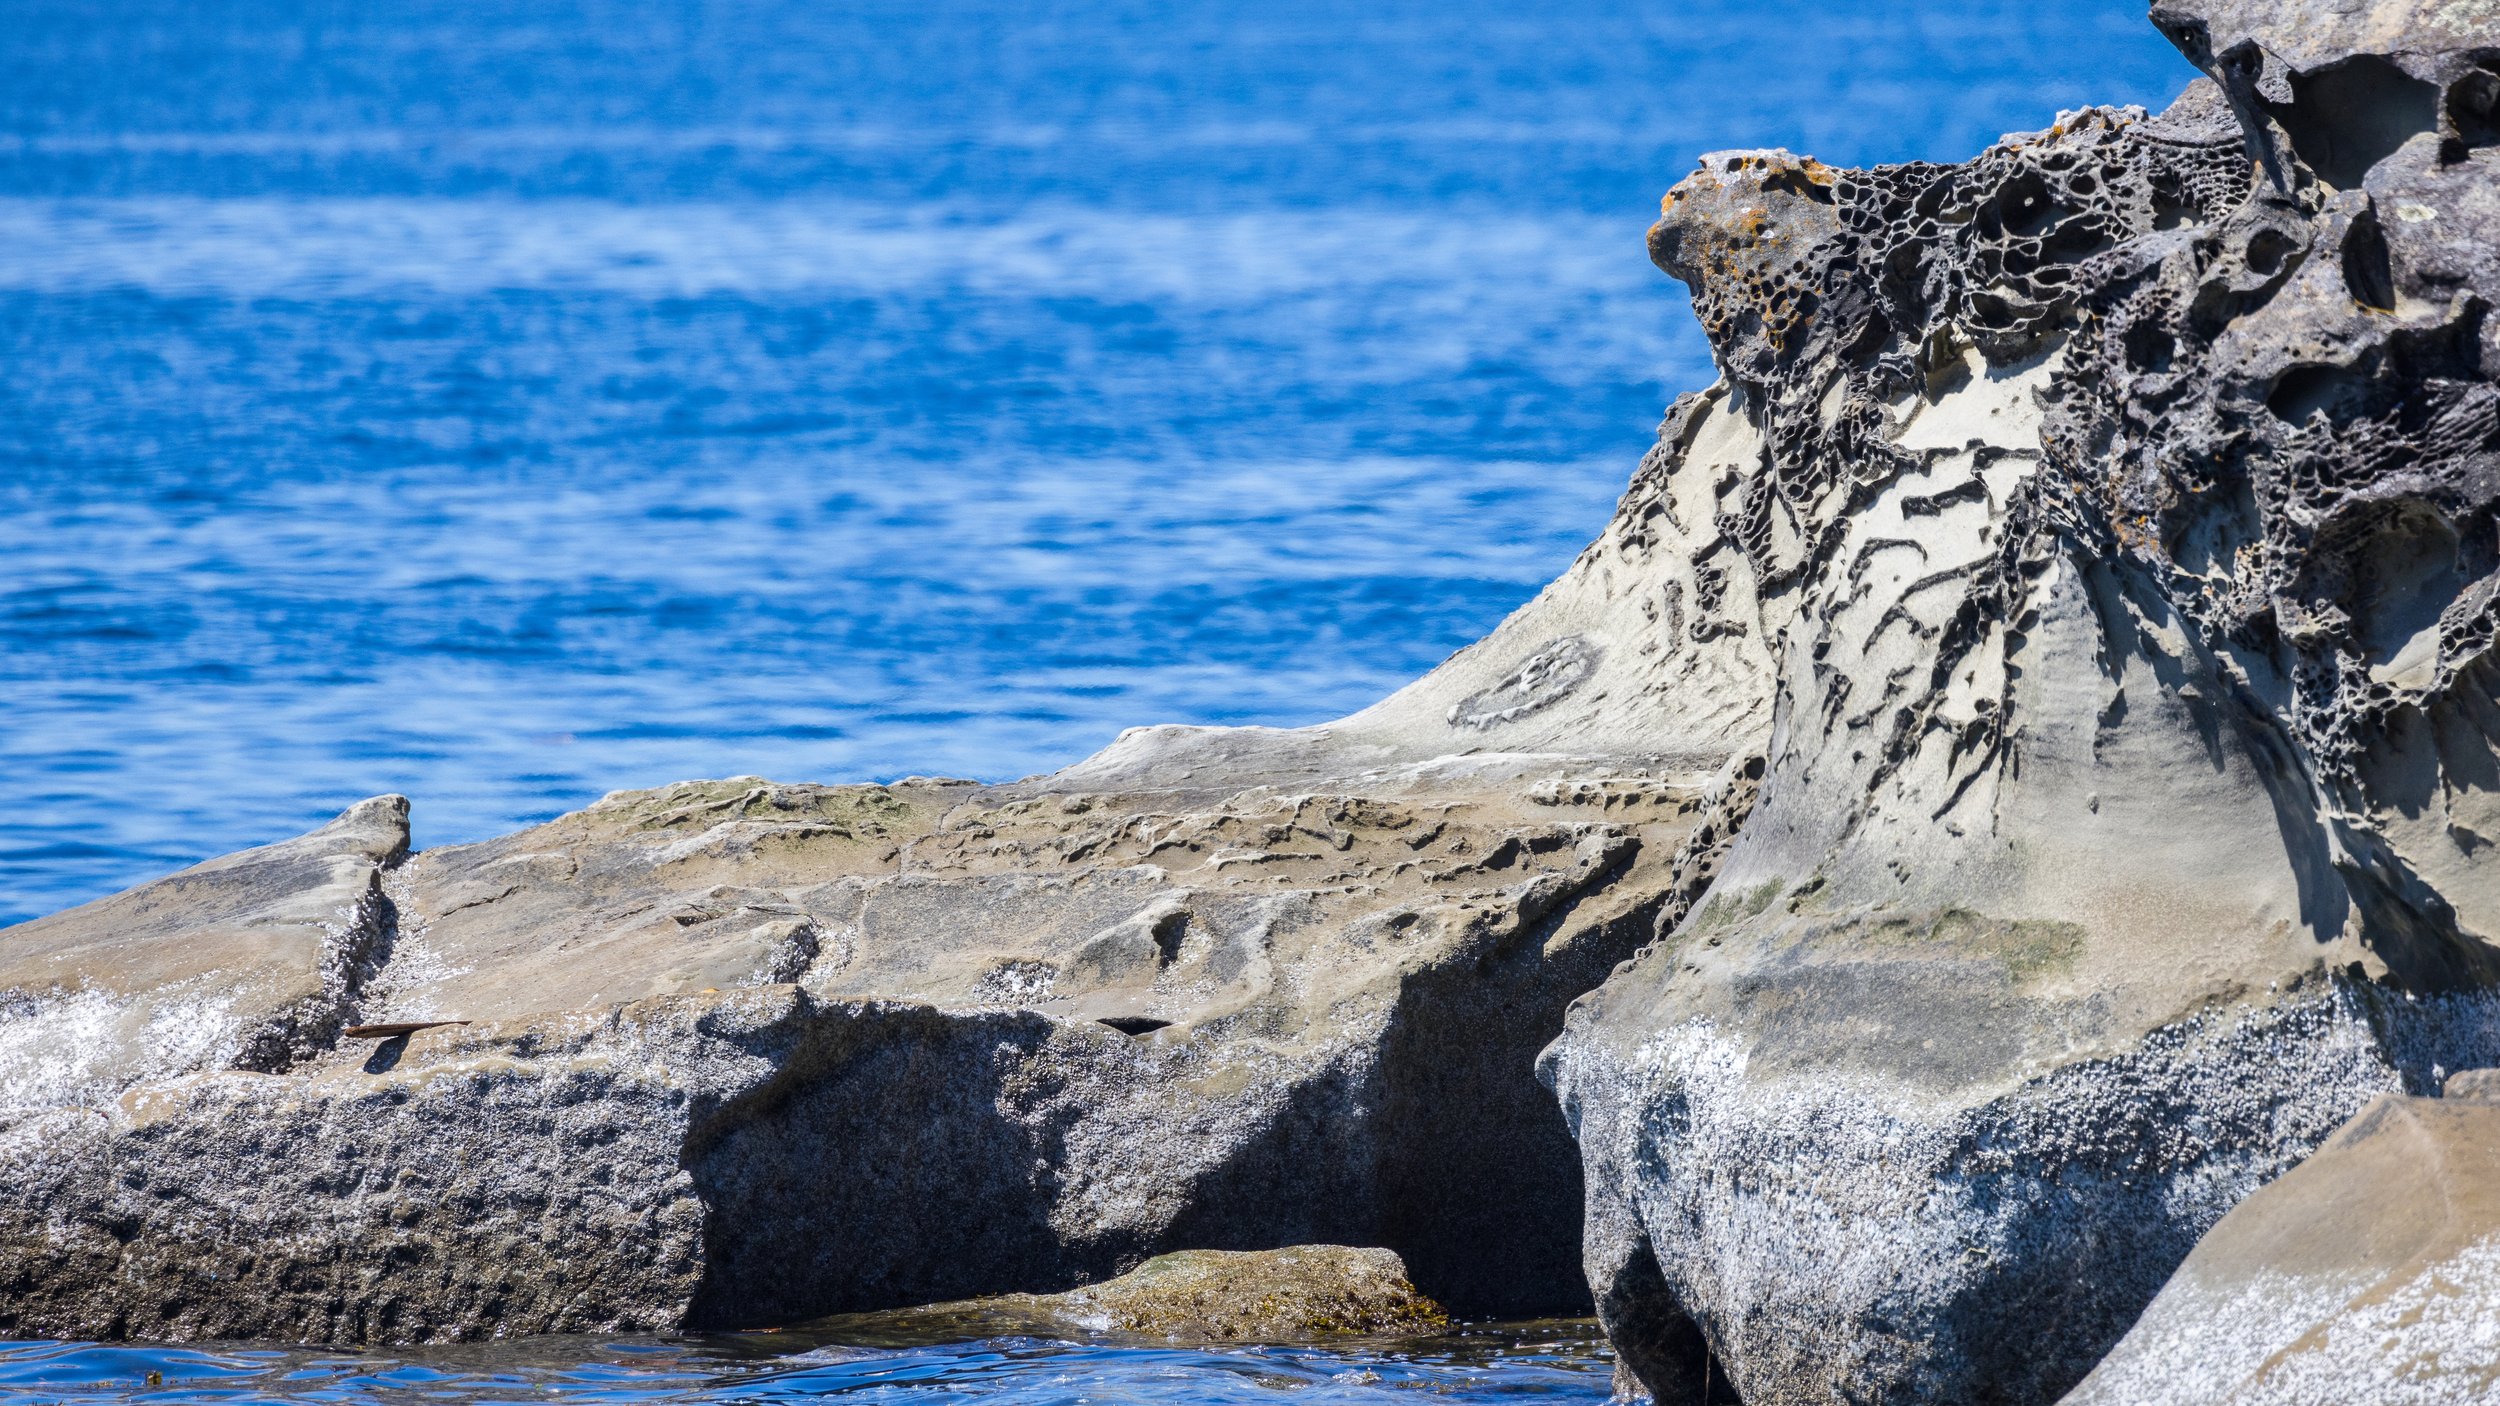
{"x":1298,"y":1294}
{"x":2370,"y":1272}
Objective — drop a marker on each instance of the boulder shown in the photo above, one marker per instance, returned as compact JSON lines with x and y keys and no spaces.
{"x":1303,"y":1293}
{"x":2370,"y":1272}
{"x":2125,"y":538}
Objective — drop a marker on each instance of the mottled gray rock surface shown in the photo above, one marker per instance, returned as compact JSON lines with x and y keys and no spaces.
{"x":1301,"y":1293}
{"x":245,"y":962}
{"x":738,"y":1053}
{"x":2125,"y":539}
{"x":2369,"y":1273}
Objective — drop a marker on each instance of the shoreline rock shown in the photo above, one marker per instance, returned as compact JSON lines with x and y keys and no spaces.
{"x":1302,"y":1293}
{"x":249,"y":961}
{"x":2367,"y":1273}
{"x":740,"y":1054}
{"x":2019,"y":769}
{"x":2126,"y":541}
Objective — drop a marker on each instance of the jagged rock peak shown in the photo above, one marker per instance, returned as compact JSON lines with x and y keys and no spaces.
{"x":2123,"y":535}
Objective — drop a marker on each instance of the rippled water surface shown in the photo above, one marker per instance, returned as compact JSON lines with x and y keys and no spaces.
{"x":503,"y":403}
{"x":1544,"y":1362}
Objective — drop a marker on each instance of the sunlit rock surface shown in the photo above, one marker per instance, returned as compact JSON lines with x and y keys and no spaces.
{"x":2124,"y":535}
{"x":2367,"y":1273}
{"x":737,"y":1053}
{"x":2024,"y":749}
{"x":248,"y":962}
{"x":1303,"y":1293}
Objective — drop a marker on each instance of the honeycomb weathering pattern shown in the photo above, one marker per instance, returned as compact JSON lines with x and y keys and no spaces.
{"x":2126,"y":539}
{"x":1829,"y":294}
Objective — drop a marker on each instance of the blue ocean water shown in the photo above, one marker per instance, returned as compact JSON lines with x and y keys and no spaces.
{"x":507,"y":403}
{"x":1543,"y":1364}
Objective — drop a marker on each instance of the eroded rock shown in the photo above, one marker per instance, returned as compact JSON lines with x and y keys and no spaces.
{"x":251,"y":961}
{"x":2031,"y":727}
{"x":740,"y":1053}
{"x":2370,"y":1272}
{"x":2125,"y":531}
{"x":1303,"y":1293}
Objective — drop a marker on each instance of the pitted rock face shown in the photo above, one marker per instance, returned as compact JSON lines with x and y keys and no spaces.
{"x":2124,"y":536}
{"x":2287,"y":417}
{"x":2308,"y":36}
{"x":1750,"y":232}
{"x":2330,"y":88}
{"x":1829,"y":294}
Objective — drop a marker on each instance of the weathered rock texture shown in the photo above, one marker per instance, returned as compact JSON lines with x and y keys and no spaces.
{"x":739,"y":1053}
{"x":2124,"y":541}
{"x":249,"y":961}
{"x":2368,"y":1273}
{"x":2034,"y":718}
{"x":1302,"y":1293}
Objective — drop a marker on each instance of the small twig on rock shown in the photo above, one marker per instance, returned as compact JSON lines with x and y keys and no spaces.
{"x":395,"y":1030}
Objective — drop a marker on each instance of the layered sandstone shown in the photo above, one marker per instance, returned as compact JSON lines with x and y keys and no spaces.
{"x":2125,"y":534}
{"x":2017,"y":772}
{"x":737,"y":1053}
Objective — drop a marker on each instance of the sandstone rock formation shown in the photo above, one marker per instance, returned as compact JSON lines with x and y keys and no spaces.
{"x":250,"y":961}
{"x":1302,"y":1293}
{"x":2368,"y":1273}
{"x":735,"y":1053}
{"x":2125,"y":540}
{"x":2031,"y":726}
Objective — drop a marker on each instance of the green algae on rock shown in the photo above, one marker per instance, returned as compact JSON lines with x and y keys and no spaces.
{"x":1302,"y":1293}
